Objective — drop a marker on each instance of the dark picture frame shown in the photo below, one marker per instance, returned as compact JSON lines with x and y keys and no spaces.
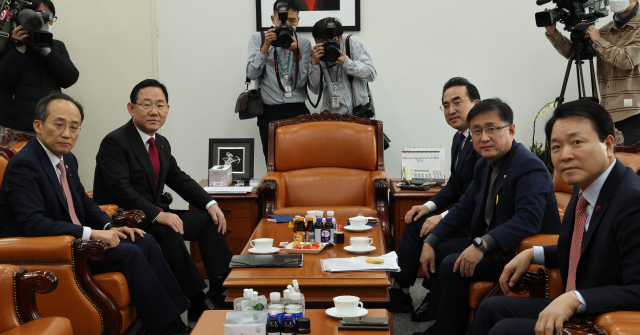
{"x":349,"y":15}
{"x":236,"y":151}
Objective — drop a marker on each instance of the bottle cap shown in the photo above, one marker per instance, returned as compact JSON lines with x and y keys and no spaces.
{"x":295,"y":296}
{"x":288,"y":317}
{"x":311,"y":213}
{"x":319,"y":214}
{"x":247,"y":292}
{"x":254,"y":296}
{"x":329,"y":219}
{"x":303,"y":323}
{"x":319,"y":219}
{"x":301,"y":219}
{"x":274,"y":296}
{"x":295,"y":283}
{"x":273,"y":317}
{"x":286,"y":294}
{"x":330,"y":213}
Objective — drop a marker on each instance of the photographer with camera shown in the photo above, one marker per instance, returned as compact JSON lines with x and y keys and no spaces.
{"x":617,"y":48}
{"x":32,"y":64}
{"x":279,"y":60}
{"x":346,"y":78}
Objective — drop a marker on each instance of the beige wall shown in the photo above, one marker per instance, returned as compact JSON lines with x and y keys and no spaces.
{"x":114,"y":46}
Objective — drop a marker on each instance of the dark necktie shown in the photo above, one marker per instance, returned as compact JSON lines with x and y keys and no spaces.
{"x":67,"y":193}
{"x":460,"y":141}
{"x":576,"y":242}
{"x":155,"y":160}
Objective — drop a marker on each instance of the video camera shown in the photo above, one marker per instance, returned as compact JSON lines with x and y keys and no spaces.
{"x":284,"y":32}
{"x":17,"y":13}
{"x":575,"y":15}
{"x":331,"y":46}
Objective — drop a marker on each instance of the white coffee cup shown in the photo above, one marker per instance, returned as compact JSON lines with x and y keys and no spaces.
{"x":347,"y":305}
{"x":361,"y":243}
{"x":262,"y":244}
{"x":358,"y":221}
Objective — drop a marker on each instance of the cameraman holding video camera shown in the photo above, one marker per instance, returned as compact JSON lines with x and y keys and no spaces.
{"x":32,"y":64}
{"x":346,"y":78}
{"x":617,"y":48}
{"x":280,"y":62}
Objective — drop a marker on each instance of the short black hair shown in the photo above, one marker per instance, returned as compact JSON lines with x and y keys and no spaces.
{"x":42,"y":108}
{"x":148,"y":83}
{"x":319,"y":31}
{"x":472,"y":91}
{"x":292,"y":5}
{"x":598,"y":116}
{"x":36,"y":3}
{"x":491,"y":105}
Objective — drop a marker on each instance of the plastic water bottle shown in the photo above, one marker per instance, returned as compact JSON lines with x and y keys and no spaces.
{"x":285,"y":297}
{"x":238,"y":303}
{"x":295,"y":307}
{"x":276,"y":307}
{"x":296,"y":288}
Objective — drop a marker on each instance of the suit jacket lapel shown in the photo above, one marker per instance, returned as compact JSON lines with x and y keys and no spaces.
{"x":468,"y":146}
{"x":454,"y":153}
{"x":141,"y":153}
{"x":164,"y":163}
{"x":49,"y":170}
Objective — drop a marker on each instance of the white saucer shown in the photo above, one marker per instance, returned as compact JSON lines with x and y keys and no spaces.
{"x":352,"y":228}
{"x":332,"y":312}
{"x":350,"y":249}
{"x":272,"y":251}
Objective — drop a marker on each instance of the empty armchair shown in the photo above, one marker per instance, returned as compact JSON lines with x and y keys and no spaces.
{"x":327,"y":162}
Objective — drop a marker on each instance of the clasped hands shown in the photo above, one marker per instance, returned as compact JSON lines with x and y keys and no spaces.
{"x":112,"y":236}
{"x":552,"y":318}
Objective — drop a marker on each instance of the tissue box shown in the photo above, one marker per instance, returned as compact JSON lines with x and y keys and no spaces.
{"x":220,"y":176}
{"x":252,"y":329}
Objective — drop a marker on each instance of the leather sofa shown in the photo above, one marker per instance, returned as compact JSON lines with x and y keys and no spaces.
{"x":18,"y":311}
{"x":327,"y":162}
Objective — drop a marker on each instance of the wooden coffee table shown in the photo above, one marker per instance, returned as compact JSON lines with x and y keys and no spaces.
{"x":319,"y":288}
{"x":211,"y":322}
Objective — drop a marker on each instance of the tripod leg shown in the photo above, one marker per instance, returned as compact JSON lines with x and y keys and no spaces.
{"x":594,"y":82}
{"x":581,"y":89}
{"x":560,"y":99}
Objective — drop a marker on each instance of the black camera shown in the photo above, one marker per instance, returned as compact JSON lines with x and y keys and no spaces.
{"x":32,"y":21}
{"x":284,"y":32}
{"x":575,"y":15}
{"x":330,"y":45}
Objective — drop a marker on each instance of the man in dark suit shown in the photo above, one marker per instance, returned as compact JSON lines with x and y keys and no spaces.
{"x":41,"y":195}
{"x":511,"y":197}
{"x":598,"y":250}
{"x":458,"y":97}
{"x":134,"y":164}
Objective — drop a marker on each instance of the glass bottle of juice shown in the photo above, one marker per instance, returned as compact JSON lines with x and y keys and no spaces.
{"x":273,"y":326}
{"x":288,"y":326}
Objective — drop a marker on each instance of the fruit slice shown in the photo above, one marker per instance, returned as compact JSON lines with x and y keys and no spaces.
{"x":306,"y":246}
{"x":316,"y":245}
{"x":297,"y":246}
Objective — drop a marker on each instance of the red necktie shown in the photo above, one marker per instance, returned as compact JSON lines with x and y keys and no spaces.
{"x":67,"y":193}
{"x":576,"y":242}
{"x":155,"y":161}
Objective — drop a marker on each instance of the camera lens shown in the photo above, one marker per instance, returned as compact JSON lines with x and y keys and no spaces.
{"x":331,"y":51}
{"x":284,"y":39}
{"x":547,"y":18}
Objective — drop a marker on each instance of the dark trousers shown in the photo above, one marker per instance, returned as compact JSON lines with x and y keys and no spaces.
{"x":409,"y":252}
{"x":275,"y":113}
{"x":630,"y":128}
{"x":154,"y":291}
{"x":449,"y":298}
{"x":216,"y":255}
{"x":507,"y":315}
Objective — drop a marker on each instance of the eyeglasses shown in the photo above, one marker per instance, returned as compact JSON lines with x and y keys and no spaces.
{"x":456,"y":104}
{"x":477,"y":133}
{"x":147,"y":107}
{"x":61,"y":127}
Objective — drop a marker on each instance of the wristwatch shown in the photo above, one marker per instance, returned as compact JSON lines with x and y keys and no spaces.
{"x":477,"y":242}
{"x":109,"y":226}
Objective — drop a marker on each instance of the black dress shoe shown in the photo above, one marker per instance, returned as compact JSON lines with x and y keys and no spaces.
{"x":399,"y":302}
{"x":198,"y":307}
{"x":420,"y":314}
{"x":428,"y":331}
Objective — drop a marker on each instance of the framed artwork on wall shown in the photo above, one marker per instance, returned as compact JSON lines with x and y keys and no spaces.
{"x":237,"y":152}
{"x":312,"y":11}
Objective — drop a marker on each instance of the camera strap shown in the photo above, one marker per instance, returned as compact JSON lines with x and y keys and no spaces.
{"x":247,"y":80}
{"x":353,"y":96}
{"x":277,"y":68}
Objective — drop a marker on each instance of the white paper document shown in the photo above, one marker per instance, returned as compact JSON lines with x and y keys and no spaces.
{"x":227,"y":190}
{"x":353,"y":264}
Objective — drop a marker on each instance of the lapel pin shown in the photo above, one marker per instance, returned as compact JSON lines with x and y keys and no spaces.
{"x":70,"y":175}
{"x":598,"y":208}
{"x":505,"y":176}
{"x":67,"y":166}
{"x":161,"y":146}
{"x":497,"y":197}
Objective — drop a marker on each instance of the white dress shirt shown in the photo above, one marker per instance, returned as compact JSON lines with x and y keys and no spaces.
{"x":145,"y":138}
{"x":432,"y":205}
{"x":591,"y":195}
{"x":86,"y":231}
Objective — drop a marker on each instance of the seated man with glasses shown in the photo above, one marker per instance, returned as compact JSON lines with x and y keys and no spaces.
{"x":134,"y":164}
{"x":458,"y":97}
{"x":511,"y":197}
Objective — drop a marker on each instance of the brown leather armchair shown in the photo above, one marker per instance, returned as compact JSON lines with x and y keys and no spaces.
{"x":327,"y":162}
{"x":18,"y":311}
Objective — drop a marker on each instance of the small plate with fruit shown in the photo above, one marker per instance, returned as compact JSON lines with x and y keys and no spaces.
{"x":304,"y":247}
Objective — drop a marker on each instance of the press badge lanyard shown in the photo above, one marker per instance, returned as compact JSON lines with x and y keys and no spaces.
{"x":335,"y":98}
{"x":286,"y":88}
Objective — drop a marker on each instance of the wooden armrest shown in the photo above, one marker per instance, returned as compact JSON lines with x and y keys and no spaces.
{"x":586,"y":327}
{"x":27,"y":284}
{"x":7,"y":152}
{"x":166,"y":198}
{"x":132,"y":218}
{"x":539,"y":240}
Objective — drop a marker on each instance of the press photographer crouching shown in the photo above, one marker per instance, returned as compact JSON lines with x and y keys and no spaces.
{"x":32,"y":64}
{"x":342,"y":67}
{"x":617,"y":49}
{"x":279,"y":61}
